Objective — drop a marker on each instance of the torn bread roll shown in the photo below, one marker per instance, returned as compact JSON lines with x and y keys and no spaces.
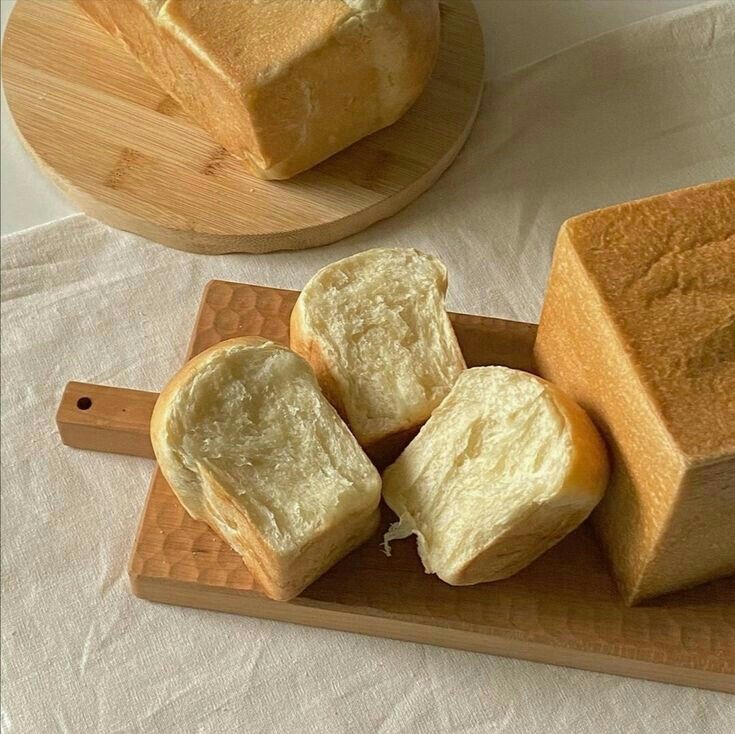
{"x":504,"y":469}
{"x":375,"y":330}
{"x":285,"y":84}
{"x":250,"y":446}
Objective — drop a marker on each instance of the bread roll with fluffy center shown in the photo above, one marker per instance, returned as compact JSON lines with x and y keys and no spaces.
{"x":504,"y":468}
{"x":374,"y":328}
{"x":250,"y":446}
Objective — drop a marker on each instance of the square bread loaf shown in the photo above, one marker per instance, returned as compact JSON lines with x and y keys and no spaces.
{"x":282,"y":85}
{"x":638,"y":326}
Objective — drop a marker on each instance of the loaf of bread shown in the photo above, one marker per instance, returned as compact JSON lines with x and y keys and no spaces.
{"x":250,"y":446}
{"x":638,"y":326}
{"x":374,"y":329}
{"x":281,"y":84}
{"x":505,"y":467}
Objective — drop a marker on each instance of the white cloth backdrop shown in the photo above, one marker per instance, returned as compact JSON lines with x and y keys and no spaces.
{"x":638,"y":111}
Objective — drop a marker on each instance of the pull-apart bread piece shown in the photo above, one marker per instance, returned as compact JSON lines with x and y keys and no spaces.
{"x":504,"y":468}
{"x":250,"y":446}
{"x":374,"y":328}
{"x":282,"y":84}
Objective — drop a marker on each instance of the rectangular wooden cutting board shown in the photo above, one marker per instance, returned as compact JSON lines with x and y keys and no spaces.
{"x":564,"y":609}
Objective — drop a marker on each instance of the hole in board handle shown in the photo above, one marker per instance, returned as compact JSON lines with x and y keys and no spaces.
{"x":84,"y":403}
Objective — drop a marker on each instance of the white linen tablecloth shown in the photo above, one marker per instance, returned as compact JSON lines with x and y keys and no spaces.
{"x":639,"y":111}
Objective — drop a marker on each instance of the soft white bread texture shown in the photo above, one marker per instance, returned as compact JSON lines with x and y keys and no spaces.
{"x":374,"y":328}
{"x":638,"y":326}
{"x":282,"y":84}
{"x":504,"y":468}
{"x":250,"y":446}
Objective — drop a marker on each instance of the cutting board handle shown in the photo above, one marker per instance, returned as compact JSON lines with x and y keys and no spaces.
{"x":110,"y":419}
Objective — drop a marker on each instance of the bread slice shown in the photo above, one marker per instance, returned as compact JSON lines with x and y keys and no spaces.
{"x":250,"y":446}
{"x":284,"y":84}
{"x":504,"y":468}
{"x":374,"y":328}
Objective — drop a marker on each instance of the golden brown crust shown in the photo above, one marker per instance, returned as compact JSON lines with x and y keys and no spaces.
{"x":638,"y":296}
{"x":664,"y":270}
{"x":206,"y":96}
{"x":281,"y":102}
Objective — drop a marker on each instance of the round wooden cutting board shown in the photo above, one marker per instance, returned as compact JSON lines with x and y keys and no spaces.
{"x":125,"y":153}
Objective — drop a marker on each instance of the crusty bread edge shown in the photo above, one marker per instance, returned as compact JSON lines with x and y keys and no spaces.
{"x":152,"y":52}
{"x":422,"y":32}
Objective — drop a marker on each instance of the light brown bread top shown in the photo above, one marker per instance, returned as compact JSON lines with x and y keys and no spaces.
{"x":664,"y":268}
{"x":282,"y":84}
{"x":239,"y":36}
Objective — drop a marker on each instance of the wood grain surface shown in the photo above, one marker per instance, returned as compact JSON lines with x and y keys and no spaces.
{"x":113,"y":420}
{"x":123,"y":151}
{"x":563,"y":609}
